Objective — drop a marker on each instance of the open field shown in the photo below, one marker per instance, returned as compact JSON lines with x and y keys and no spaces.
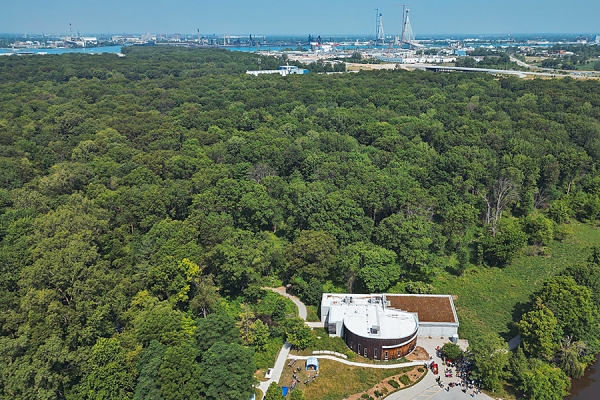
{"x":490,"y":298}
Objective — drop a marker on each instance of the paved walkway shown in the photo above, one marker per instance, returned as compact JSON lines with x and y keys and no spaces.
{"x":285,"y":350}
{"x":278,"y":368}
{"x":357,"y":364}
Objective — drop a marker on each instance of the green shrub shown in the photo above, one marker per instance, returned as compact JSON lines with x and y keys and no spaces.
{"x":562,"y":232}
{"x":394,"y":384}
{"x":539,"y":229}
{"x":404,"y":379}
{"x":378,"y":393}
{"x":421,"y":370}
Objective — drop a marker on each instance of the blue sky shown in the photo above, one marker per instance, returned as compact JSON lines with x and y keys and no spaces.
{"x":301,"y":17}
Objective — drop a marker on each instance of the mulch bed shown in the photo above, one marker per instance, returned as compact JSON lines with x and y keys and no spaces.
{"x":418,"y":354}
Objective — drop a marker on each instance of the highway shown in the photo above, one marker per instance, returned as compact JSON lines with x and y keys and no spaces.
{"x":520,"y":74}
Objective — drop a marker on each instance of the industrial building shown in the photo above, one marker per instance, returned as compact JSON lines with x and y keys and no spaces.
{"x":387,"y":326}
{"x":282,"y":70}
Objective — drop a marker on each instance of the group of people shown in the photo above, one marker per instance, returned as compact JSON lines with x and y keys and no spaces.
{"x":462,"y":369}
{"x":296,"y":379}
{"x":463,"y":385}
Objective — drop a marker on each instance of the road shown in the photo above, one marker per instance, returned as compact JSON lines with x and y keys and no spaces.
{"x":520,"y":74}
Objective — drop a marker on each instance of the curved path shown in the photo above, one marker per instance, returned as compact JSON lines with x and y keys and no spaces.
{"x":285,"y":349}
{"x":364,"y":365}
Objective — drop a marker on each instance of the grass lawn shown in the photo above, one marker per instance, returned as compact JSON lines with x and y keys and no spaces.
{"x":311,"y":314}
{"x":336,"y":380}
{"x":490,"y":298}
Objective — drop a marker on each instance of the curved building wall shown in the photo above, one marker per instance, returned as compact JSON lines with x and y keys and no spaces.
{"x":380,"y":349}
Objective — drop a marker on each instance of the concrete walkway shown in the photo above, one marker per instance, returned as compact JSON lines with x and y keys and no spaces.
{"x":285,"y":350}
{"x":278,"y":368}
{"x":357,"y":364}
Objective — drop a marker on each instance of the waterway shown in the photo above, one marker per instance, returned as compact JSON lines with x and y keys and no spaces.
{"x":588,"y":387}
{"x":248,"y":49}
{"x":89,"y":50}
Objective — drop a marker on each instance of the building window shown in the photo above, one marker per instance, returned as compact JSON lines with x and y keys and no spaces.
{"x":366,"y":352}
{"x":375,"y":352}
{"x":386,"y":355}
{"x":359,"y":348}
{"x":352,"y":345}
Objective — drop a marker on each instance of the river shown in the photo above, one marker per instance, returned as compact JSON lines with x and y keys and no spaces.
{"x":89,"y":50}
{"x":588,"y":387}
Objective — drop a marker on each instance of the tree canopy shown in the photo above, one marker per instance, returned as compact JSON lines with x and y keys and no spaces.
{"x":145,"y":198}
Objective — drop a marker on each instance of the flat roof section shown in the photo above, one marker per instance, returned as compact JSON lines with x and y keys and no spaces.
{"x":430,"y":308}
{"x":391,"y":324}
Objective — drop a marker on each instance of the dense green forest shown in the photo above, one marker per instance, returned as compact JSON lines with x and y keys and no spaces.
{"x":146,"y":200}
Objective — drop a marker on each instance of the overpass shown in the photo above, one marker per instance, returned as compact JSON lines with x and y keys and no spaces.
{"x":520,"y":74}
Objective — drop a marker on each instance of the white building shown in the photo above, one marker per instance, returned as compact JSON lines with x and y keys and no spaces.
{"x":435,"y":314}
{"x":369,"y":326}
{"x":282,"y":70}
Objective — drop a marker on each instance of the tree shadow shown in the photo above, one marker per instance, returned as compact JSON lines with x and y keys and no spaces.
{"x":517,"y":313}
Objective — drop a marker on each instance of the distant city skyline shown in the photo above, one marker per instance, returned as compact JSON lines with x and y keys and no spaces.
{"x":288,"y":17}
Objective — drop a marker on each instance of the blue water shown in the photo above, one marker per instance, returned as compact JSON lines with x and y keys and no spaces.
{"x":247,"y":49}
{"x":90,"y":50}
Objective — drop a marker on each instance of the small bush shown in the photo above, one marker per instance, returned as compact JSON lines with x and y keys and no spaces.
{"x":378,"y":393}
{"x":394,"y":384}
{"x":421,"y":370}
{"x":562,"y":232}
{"x":404,"y":379}
{"x":365,"y":396}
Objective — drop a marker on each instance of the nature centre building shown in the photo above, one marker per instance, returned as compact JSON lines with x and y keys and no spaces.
{"x":387,"y":326}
